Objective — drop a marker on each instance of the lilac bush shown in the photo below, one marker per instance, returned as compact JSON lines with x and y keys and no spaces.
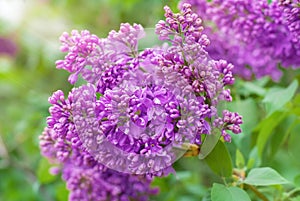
{"x":256,"y":36}
{"x":132,"y":113}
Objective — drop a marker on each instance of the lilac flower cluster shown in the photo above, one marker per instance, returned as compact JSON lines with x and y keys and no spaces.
{"x":229,"y":121}
{"x":255,"y":36}
{"x":188,"y":56}
{"x":100,"y":61}
{"x":138,"y":110}
{"x":86,"y":178}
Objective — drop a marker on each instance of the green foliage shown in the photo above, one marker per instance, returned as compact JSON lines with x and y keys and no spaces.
{"x":293,"y":142}
{"x":297,"y":180}
{"x":266,"y":127}
{"x":220,"y":192}
{"x":264,"y":176}
{"x":277,"y":97}
{"x":209,"y":143}
{"x":219,"y":160}
{"x":185,"y":186}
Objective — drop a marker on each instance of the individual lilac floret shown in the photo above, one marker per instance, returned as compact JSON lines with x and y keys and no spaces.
{"x":255,"y":36}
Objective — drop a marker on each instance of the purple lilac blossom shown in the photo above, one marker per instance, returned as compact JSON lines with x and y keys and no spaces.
{"x":137,"y":126}
{"x":85,"y":177}
{"x":138,"y":109}
{"x":255,"y":36}
{"x":188,"y":56}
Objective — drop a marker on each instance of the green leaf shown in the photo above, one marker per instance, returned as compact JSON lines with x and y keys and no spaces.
{"x":294,"y":106}
{"x":219,"y":160}
{"x":209,"y":143}
{"x":276,"y":97}
{"x":256,"y":87}
{"x":251,"y":87}
{"x":266,"y":128}
{"x":239,"y":159}
{"x":264,"y":176}
{"x":262,"y":82}
{"x":282,"y":133}
{"x":220,"y":192}
{"x":293,"y":143}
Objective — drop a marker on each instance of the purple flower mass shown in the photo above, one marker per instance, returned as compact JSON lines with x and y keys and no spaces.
{"x":256,"y":36}
{"x":138,"y":109}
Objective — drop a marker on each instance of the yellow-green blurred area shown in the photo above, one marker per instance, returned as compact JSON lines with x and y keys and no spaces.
{"x":29,"y":47}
